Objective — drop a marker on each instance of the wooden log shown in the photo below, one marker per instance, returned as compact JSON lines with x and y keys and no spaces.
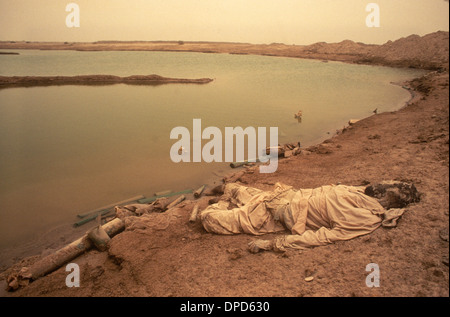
{"x":54,"y":261}
{"x":199,"y":191}
{"x":234,"y":178}
{"x":111,"y":213}
{"x":152,"y":199}
{"x":99,"y":237}
{"x":279,"y":151}
{"x":194,"y":213}
{"x":165,"y":192}
{"x":111,"y":206}
{"x":176,"y":201}
{"x":90,"y":218}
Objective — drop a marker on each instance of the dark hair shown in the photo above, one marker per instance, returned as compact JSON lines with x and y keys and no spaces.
{"x":393,"y":194}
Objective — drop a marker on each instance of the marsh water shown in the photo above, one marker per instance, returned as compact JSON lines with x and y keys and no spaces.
{"x":65,"y":150}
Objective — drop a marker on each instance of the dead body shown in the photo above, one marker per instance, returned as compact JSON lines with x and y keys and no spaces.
{"x":315,"y":217}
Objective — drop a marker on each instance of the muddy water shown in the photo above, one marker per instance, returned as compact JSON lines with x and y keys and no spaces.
{"x":70,"y":149}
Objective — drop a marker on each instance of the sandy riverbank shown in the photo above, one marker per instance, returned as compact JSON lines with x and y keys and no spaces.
{"x":183,"y":260}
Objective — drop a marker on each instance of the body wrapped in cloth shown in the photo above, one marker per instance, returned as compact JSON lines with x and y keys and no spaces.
{"x":314,"y":216}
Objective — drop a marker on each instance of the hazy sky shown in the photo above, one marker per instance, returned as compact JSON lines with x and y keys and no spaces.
{"x":252,"y":21}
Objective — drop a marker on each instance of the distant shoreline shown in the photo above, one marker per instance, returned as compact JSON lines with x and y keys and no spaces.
{"x":410,"y":52}
{"x":33,"y":81}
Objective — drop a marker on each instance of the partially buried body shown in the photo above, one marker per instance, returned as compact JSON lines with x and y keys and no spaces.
{"x":315,"y":217}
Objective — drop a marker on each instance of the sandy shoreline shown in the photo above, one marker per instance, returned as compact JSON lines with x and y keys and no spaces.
{"x":408,"y":144}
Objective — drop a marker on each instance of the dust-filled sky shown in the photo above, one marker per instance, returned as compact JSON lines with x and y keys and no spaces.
{"x":250,"y":21}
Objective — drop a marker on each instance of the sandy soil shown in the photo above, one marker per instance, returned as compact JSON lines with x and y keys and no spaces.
{"x":411,"y":144}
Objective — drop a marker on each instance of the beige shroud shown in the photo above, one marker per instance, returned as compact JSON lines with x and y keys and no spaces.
{"x":314,"y":216}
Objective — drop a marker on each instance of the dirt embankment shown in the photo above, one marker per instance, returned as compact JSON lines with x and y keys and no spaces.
{"x":33,"y":81}
{"x":182,"y":259}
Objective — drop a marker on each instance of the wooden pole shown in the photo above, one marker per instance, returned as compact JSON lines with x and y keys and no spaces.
{"x":176,"y":202}
{"x":199,"y":191}
{"x":111,"y":206}
{"x":194,"y":214}
{"x":54,"y":261}
{"x":152,"y":199}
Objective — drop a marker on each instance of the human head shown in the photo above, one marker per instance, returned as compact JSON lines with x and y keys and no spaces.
{"x":393,"y":194}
